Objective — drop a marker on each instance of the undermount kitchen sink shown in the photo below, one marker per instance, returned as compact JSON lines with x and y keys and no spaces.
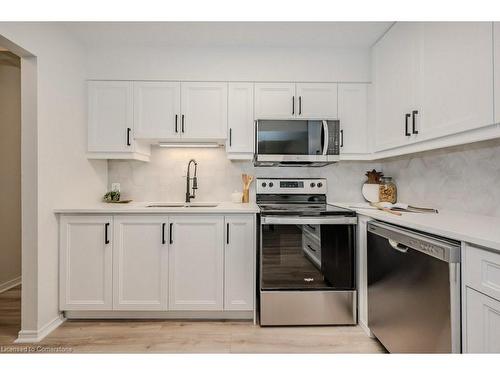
{"x":186,"y":205}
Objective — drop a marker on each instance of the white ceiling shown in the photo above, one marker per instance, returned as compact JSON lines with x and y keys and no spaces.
{"x":205,"y":34}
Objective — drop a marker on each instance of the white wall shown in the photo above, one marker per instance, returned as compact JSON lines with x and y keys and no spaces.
{"x":64,"y":174}
{"x":10,"y":169}
{"x":229,"y":63}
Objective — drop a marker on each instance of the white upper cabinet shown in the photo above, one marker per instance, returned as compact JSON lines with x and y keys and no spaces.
{"x":496,"y":56}
{"x":353,"y":107}
{"x":157,"y":107}
{"x":204,"y":110}
{"x":316,"y":100}
{"x":396,"y":58}
{"x":196,"y":263}
{"x":239,"y":263}
{"x":85,"y":263}
{"x":140,"y":262}
{"x":240,"y":132}
{"x":456,"y":76}
{"x":110,"y":119}
{"x":275,"y":100}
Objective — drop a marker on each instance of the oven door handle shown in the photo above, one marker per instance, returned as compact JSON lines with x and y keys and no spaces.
{"x":284,"y":220}
{"x":326,"y":137}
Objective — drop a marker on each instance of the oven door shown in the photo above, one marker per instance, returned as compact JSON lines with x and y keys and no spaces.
{"x":282,"y":142}
{"x":307,"y":271}
{"x":307,"y":253}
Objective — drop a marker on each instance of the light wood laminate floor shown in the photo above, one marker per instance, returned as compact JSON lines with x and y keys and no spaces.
{"x":164,"y":336}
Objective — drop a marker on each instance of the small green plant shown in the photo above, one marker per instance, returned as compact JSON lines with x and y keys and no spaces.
{"x":111,"y":196}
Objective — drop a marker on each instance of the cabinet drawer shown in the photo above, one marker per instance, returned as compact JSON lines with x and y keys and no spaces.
{"x":483,"y":323}
{"x":482,"y":271}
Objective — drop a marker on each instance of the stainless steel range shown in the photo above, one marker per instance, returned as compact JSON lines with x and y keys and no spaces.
{"x":307,"y":263}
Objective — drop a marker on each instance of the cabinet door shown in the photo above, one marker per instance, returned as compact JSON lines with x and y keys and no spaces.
{"x":396,"y":61}
{"x":85,"y":265}
{"x":140,"y":260}
{"x":483,"y":323}
{"x":353,"y":107}
{"x":275,"y":101}
{"x":110,"y":117}
{"x":204,"y":110}
{"x":196,"y":263}
{"x":496,"y":73}
{"x":239,"y":263}
{"x":317,"y":100}
{"x":157,"y":107}
{"x":240,"y":118}
{"x":456,"y":78}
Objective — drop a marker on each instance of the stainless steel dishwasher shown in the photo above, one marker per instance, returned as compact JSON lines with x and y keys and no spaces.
{"x":413,"y":290}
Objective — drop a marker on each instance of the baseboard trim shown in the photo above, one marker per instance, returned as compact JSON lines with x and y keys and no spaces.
{"x":10,"y":284}
{"x":367,"y":330}
{"x":204,"y":315}
{"x":33,"y":336}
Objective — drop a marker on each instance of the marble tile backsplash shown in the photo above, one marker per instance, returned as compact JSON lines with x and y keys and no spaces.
{"x":463,"y":178}
{"x":163,"y":179}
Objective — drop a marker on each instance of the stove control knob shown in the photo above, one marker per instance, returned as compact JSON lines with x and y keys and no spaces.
{"x":320,"y":184}
{"x":271,"y":184}
{"x":312,"y":184}
{"x":264,"y":184}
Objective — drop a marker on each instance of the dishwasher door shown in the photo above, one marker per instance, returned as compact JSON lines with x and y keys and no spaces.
{"x":413,"y":290}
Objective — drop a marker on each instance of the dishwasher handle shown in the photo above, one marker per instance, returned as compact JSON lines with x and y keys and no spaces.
{"x":397,"y":246}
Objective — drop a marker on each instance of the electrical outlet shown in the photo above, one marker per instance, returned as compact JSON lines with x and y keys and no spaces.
{"x":115,"y":186}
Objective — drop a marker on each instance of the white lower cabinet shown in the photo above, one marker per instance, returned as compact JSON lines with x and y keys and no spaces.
{"x":196,"y":263}
{"x":140,"y":262}
{"x":85,"y":263}
{"x":483,"y":323}
{"x":239,"y":280}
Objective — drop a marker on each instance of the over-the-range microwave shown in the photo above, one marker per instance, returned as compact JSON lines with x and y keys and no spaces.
{"x":296,"y":142}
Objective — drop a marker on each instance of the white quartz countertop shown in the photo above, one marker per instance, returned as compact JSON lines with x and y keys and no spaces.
{"x":476,"y":229}
{"x":141,"y":208}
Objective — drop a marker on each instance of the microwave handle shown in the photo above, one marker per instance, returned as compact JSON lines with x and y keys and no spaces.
{"x":327,"y":137}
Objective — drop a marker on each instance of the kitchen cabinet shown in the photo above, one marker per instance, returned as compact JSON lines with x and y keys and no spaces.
{"x":157,"y":109}
{"x":85,"y":262}
{"x":316,"y":100}
{"x":239,"y":255}
{"x":432,"y":79}
{"x":352,"y":113}
{"x":110,"y":117}
{"x":456,"y":76}
{"x":196,"y":263}
{"x":274,"y":100}
{"x":240,"y":132}
{"x":140,"y":262}
{"x":362,"y":272}
{"x":483,"y":323}
{"x":203,"y":110}
{"x":396,"y":67}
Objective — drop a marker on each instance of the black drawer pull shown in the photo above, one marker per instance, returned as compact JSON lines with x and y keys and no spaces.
{"x":171,"y":235}
{"x":342,"y":138}
{"x":176,"y":130}
{"x":293,"y":105}
{"x":309,"y":246}
{"x":227,"y":233}
{"x":230,"y":137}
{"x":300,"y":105}
{"x":163,"y":234}
{"x":128,"y":136}
{"x":182,"y":123}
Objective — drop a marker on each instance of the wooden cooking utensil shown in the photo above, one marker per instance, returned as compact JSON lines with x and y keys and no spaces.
{"x":382,"y":208}
{"x":247,"y":180}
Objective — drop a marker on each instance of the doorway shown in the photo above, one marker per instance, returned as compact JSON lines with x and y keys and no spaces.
{"x":10,"y":194}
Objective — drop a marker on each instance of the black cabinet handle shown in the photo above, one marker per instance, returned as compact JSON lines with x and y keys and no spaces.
{"x":300,"y":105}
{"x":176,"y":130}
{"x":128,"y":136}
{"x":106,"y":239}
{"x":414,"y":126}
{"x":230,"y":137}
{"x":171,"y":239}
{"x":182,"y":123}
{"x":227,"y":233}
{"x":342,"y":138}
{"x":293,"y":105}
{"x":407,"y":116}
{"x":163,"y":234}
